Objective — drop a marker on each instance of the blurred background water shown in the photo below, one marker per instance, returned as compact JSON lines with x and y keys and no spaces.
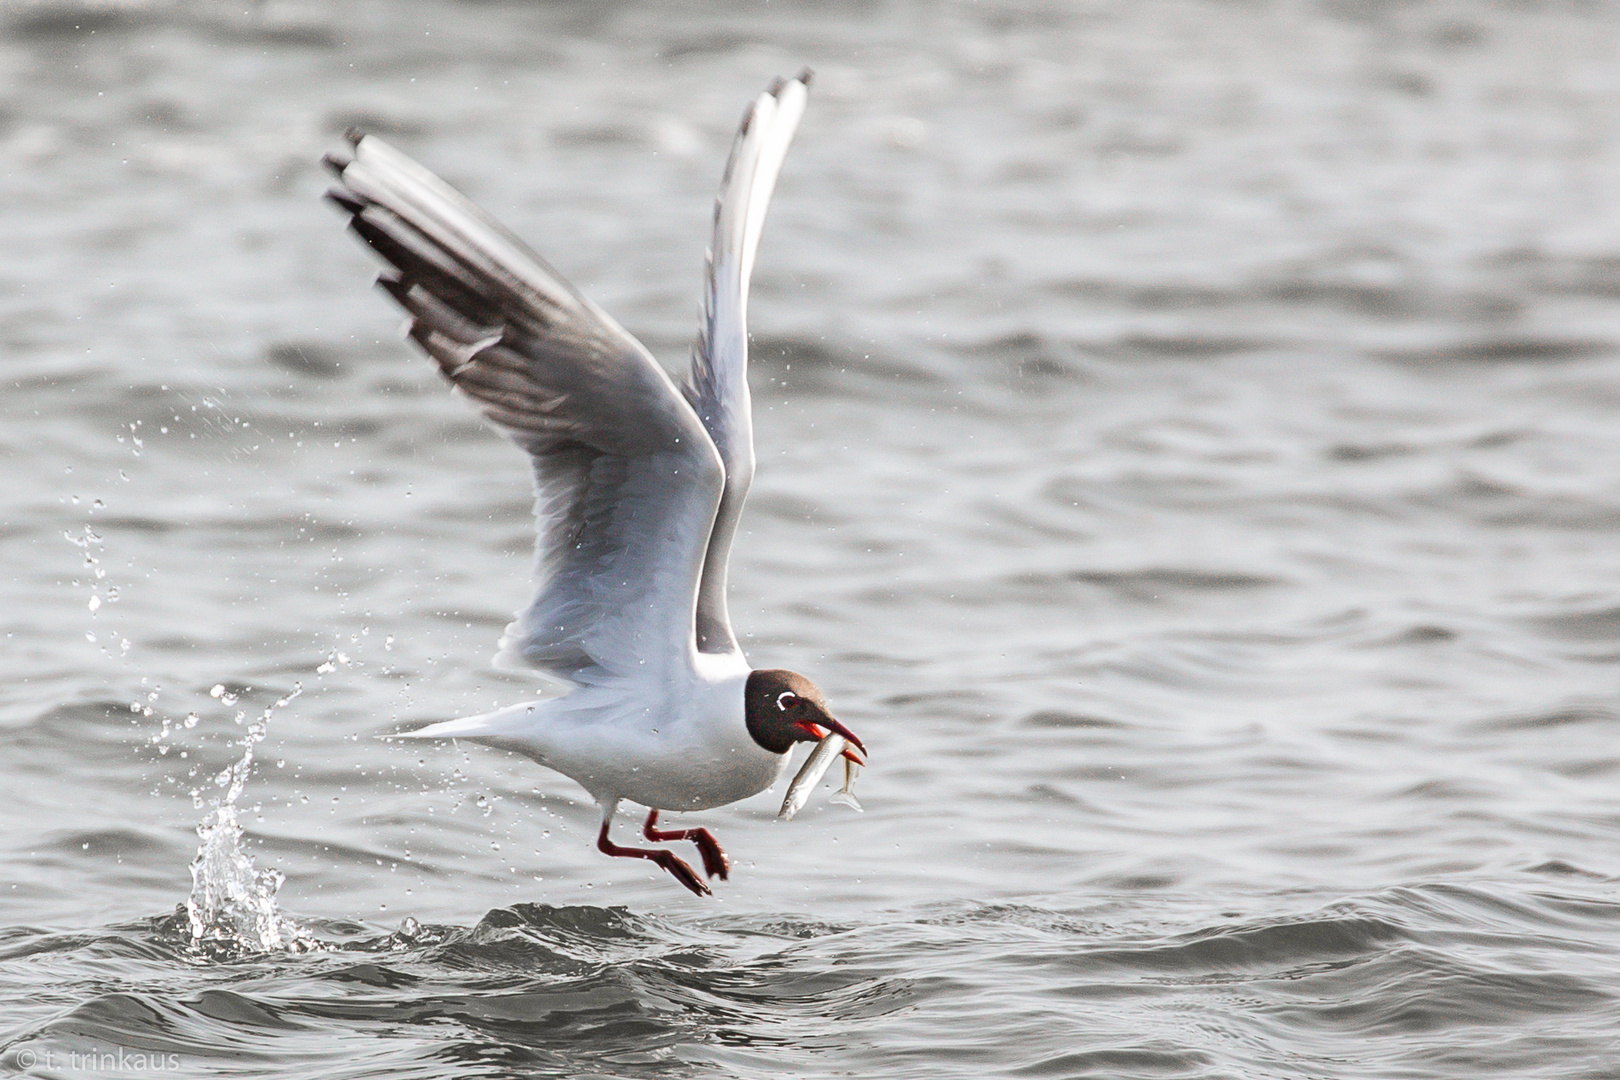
{"x":1188,"y":457}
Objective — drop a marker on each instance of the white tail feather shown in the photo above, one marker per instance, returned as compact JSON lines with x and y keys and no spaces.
{"x":514,"y":720}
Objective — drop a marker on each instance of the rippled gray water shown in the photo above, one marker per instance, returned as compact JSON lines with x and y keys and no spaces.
{"x":1188,"y":456}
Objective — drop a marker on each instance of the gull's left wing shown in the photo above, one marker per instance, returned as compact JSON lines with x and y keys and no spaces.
{"x":717,"y":384}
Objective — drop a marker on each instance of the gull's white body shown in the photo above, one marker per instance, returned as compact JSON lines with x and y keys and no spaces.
{"x":682,"y":748}
{"x":639,"y":484}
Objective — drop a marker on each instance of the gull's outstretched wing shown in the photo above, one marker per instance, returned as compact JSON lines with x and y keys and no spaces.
{"x":627,"y":480}
{"x":717,"y":385}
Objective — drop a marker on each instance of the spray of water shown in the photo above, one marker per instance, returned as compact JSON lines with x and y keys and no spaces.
{"x":232,"y":906}
{"x":233,"y":903}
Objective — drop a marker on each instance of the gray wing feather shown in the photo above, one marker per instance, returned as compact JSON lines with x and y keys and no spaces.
{"x":627,"y":481}
{"x":717,"y":383}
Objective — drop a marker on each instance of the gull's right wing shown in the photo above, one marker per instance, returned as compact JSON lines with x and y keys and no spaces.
{"x":627,"y":480}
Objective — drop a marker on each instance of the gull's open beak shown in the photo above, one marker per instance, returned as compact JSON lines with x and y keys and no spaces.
{"x":854,"y":752}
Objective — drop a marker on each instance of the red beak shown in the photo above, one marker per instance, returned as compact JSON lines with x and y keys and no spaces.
{"x":817,"y":732}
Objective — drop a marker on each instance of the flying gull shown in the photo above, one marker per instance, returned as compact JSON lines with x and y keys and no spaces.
{"x":639,"y":488}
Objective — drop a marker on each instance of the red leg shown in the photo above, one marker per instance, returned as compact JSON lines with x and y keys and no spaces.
{"x":715,"y":861}
{"x":667,"y":859}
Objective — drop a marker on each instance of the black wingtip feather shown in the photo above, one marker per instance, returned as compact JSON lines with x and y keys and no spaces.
{"x":354,"y":135}
{"x":345,"y":200}
{"x":336,"y":163}
{"x":806,"y":74}
{"x":395,"y":242}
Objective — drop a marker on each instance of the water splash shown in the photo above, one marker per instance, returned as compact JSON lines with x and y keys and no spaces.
{"x":232,"y":905}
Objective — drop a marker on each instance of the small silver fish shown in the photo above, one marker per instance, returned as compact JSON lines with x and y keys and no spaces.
{"x":844,"y":796}
{"x":810,"y":773}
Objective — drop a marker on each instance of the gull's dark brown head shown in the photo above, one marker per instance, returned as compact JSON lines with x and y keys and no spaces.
{"x":784,"y":707}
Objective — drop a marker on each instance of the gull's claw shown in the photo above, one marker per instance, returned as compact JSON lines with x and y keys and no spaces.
{"x":715,"y":861}
{"x":683,"y":873}
{"x":666,"y":859}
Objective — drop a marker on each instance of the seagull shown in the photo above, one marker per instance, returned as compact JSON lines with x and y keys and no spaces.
{"x":638,"y":490}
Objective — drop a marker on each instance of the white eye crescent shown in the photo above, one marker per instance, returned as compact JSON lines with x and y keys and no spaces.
{"x":786,"y":699}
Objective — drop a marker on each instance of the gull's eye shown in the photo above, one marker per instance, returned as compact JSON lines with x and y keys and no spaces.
{"x":786,"y":700}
